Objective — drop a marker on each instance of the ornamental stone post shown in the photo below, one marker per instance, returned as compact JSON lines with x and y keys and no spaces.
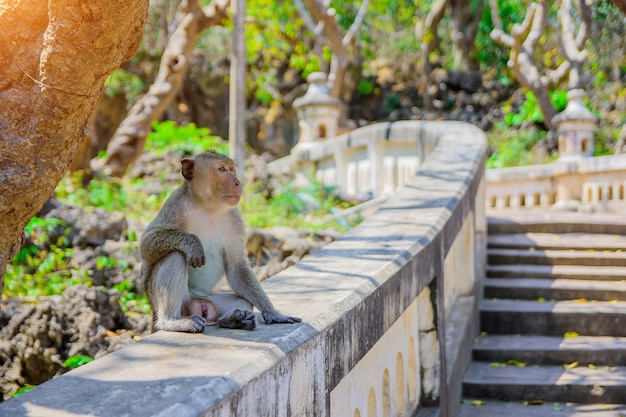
{"x":575,"y":127}
{"x":318,"y":112}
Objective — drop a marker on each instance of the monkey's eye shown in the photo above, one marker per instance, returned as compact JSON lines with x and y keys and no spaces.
{"x":222,"y":168}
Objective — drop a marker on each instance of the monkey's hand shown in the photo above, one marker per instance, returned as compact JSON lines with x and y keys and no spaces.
{"x":274,"y":317}
{"x":194,"y":252}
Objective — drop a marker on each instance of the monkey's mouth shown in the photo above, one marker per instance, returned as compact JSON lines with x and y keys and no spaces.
{"x":233,"y":199}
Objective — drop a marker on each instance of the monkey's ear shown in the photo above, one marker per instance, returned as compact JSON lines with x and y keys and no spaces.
{"x":188,"y":166}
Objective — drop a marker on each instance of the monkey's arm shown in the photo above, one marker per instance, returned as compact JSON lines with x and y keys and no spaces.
{"x":158,"y":242}
{"x":243,"y":282}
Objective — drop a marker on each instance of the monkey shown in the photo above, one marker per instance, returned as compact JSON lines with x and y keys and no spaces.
{"x":197,"y":237}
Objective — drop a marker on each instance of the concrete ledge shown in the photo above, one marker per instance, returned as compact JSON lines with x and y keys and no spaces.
{"x":348,"y":294}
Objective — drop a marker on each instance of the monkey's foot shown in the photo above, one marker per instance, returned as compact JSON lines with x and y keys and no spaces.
{"x":279,"y":318}
{"x":238,"y":319}
{"x":191,"y":324}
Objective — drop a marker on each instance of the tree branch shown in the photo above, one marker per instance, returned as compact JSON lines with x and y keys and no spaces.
{"x":128,"y":141}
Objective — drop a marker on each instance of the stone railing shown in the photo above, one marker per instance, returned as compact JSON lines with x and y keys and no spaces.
{"x":389,"y":315}
{"x":372,"y":160}
{"x":585,"y":183}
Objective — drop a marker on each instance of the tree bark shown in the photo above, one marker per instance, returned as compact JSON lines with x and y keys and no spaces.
{"x":237,"y":89}
{"x":574,"y":38}
{"x":427,"y":33}
{"x":465,"y":18}
{"x":56,"y":56}
{"x":129,"y":139}
{"x":523,"y":42}
{"x":337,"y":42}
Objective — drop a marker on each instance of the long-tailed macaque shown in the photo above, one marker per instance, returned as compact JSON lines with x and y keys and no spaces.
{"x":197,"y":237}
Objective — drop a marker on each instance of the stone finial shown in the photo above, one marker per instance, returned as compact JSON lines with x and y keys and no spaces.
{"x":575,"y":127}
{"x":318,"y":112}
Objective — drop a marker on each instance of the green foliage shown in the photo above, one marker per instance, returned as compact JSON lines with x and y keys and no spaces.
{"x":106,"y":193}
{"x":293,"y":207}
{"x":23,"y":389}
{"x":607,"y":42}
{"x":489,"y":54}
{"x":276,"y":42}
{"x":512,"y":148}
{"x":187,"y":140}
{"x":530,"y":111}
{"x":391,"y":102}
{"x":559,"y":99}
{"x":388,"y":27}
{"x":122,"y":82}
{"x":132,"y":301}
{"x":365,"y":87}
{"x":605,"y":138}
{"x":43,"y":267}
{"x":77,"y":360}
{"x":126,"y":195}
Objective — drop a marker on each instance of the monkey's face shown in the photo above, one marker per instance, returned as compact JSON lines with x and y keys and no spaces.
{"x":225,"y":183}
{"x":213,"y":179}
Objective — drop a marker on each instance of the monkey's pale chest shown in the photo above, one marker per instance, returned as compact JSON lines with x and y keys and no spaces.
{"x":203,"y":279}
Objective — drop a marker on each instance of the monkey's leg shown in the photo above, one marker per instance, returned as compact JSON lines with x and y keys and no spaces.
{"x":168,"y":292}
{"x":234,"y":312}
{"x":201,"y":307}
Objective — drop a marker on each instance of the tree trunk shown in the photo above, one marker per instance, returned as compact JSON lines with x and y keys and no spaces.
{"x":237,"y":89}
{"x":129,"y":139}
{"x":337,"y":42}
{"x":56,"y":56}
{"x":427,"y":33}
{"x":523,"y":42}
{"x":465,"y":18}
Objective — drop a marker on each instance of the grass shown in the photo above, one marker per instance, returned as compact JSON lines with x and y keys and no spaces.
{"x":511,"y":147}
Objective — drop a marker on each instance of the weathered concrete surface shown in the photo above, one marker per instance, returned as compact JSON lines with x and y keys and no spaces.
{"x":555,"y":289}
{"x":546,"y":382}
{"x":530,"y":221}
{"x":349,"y":294}
{"x":494,"y":408}
{"x":598,"y":351}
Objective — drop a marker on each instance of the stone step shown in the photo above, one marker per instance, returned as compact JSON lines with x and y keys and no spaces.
{"x":554,"y":222}
{"x":586,"y":350}
{"x":534,"y":256}
{"x":545,"y":241}
{"x":553,"y":318}
{"x":495,"y":408}
{"x":546,"y":382}
{"x":557,"y":289}
{"x":606,"y":273}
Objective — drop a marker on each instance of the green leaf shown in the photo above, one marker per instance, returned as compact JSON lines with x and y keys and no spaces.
{"x":23,"y":390}
{"x":517,"y":363}
{"x":77,"y":360}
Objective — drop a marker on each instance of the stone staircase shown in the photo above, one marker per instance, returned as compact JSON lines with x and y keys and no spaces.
{"x":553,"y":319}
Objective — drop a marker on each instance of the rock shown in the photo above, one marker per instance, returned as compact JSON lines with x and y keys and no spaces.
{"x":470,"y":81}
{"x":87,"y":228}
{"x":37,"y":339}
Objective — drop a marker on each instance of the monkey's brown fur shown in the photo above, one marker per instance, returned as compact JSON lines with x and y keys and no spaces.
{"x":197,"y":237}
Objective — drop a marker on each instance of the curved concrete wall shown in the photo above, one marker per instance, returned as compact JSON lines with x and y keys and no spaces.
{"x":388,"y":317}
